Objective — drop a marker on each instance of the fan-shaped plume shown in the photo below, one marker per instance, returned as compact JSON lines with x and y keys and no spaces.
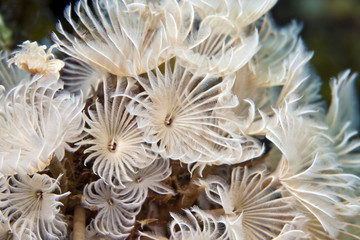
{"x":116,"y":216}
{"x":216,"y":48}
{"x":118,"y":147}
{"x":180,"y":114}
{"x":301,"y":84}
{"x":71,"y":122}
{"x":351,"y":231}
{"x":294,"y":230}
{"x":252,"y":203}
{"x":80,"y":76}
{"x":277,"y":43}
{"x":239,"y":12}
{"x":259,"y":82}
{"x":38,"y":123}
{"x":33,"y":207}
{"x":197,"y":225}
{"x":148,"y":178}
{"x":309,"y":169}
{"x":342,"y":119}
{"x":122,"y":38}
{"x":92,"y":234}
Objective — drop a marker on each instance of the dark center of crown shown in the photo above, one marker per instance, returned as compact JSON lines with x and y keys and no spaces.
{"x":168,"y":120}
{"x":39,"y":194}
{"x":112,"y":146}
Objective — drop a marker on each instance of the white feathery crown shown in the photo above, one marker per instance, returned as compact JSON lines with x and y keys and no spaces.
{"x":175,"y":120}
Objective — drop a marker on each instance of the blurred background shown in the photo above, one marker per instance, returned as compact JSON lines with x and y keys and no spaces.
{"x":330,"y":27}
